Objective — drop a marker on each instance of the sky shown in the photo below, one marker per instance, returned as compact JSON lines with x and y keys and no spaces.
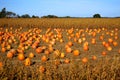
{"x":73,"y":8}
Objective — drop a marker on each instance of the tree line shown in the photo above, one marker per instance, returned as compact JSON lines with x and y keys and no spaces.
{"x":9,"y":14}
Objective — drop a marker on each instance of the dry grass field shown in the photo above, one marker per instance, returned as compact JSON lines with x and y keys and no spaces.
{"x":60,"y":49}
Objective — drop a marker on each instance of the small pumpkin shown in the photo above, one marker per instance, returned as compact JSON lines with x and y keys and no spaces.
{"x":62,"y":55}
{"x":115,"y":43}
{"x":31,"y":55}
{"x":27,"y":62}
{"x":85,"y":48}
{"x":68,"y":50}
{"x":44,"y":58}
{"x":67,"y":61}
{"x":42,"y":69}
{"x":76,"y":52}
{"x":39,"y":50}
{"x":9,"y":54}
{"x":85,"y":60}
{"x":21,"y":56}
{"x":104,"y":53}
{"x":3,"y":50}
{"x":1,"y":64}
{"x":94,"y":57}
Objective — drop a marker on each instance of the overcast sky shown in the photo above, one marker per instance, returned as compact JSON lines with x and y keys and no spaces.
{"x":74,"y":8}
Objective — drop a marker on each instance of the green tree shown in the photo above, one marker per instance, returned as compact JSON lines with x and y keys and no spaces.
{"x":33,"y":16}
{"x":3,"y":13}
{"x":10,"y":14}
{"x":96,"y":16}
{"x":25,"y":16}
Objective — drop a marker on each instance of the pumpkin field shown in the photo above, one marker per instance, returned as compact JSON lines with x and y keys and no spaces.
{"x":60,"y":49}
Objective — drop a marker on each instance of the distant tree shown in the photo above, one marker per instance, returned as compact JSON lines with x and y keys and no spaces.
{"x":25,"y":16}
{"x":67,"y":17}
{"x":33,"y":16}
{"x":18,"y":16}
{"x":10,"y":14}
{"x":96,"y":16}
{"x":49,"y":16}
{"x":3,"y":13}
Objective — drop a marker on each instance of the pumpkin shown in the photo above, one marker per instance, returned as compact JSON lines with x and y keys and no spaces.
{"x":3,"y":50}
{"x":9,"y":54}
{"x":104,"y":53}
{"x":109,"y":48}
{"x":62,"y":55}
{"x":70,"y":44}
{"x":93,"y":41}
{"x":67,"y":61}
{"x":50,"y":49}
{"x":8,"y":47}
{"x":84,"y":60}
{"x":107,"y":44}
{"x":31,"y":55}
{"x":94,"y":57}
{"x":115,"y":43}
{"x":68,"y":50}
{"x":44,"y":58}
{"x":110,"y":40}
{"x":46,"y":52}
{"x":1,"y":64}
{"x":85,"y":48}
{"x":13,"y":51}
{"x":42,"y":69}
{"x":21,"y":56}
{"x":39,"y":50}
{"x":27,"y":62}
{"x":57,"y":62}
{"x":101,"y":37}
{"x":76,"y":52}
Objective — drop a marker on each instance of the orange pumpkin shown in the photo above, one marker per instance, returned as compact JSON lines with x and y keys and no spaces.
{"x":94,"y":57}
{"x":76,"y":52}
{"x":27,"y":62}
{"x":67,"y":61}
{"x":70,"y":44}
{"x":9,"y":54}
{"x":21,"y":56}
{"x":1,"y":64}
{"x":104,"y":53}
{"x":115,"y":43}
{"x":101,"y":38}
{"x":31,"y":55}
{"x":3,"y":50}
{"x":109,"y":48}
{"x":110,"y":40}
{"x":46,"y":52}
{"x":13,"y":51}
{"x":93,"y":41}
{"x":39,"y":50}
{"x":57,"y":62}
{"x":44,"y":58}
{"x":42,"y":69}
{"x":85,"y":48}
{"x":84,"y":60}
{"x":62,"y":55}
{"x":68,"y":50}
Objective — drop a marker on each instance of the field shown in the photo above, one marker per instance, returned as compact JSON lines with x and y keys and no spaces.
{"x":60,"y":49}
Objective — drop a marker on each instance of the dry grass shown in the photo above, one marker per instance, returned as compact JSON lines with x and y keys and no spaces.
{"x":103,"y":68}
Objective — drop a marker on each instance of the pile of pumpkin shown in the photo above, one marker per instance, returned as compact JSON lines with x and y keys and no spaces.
{"x":33,"y":37}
